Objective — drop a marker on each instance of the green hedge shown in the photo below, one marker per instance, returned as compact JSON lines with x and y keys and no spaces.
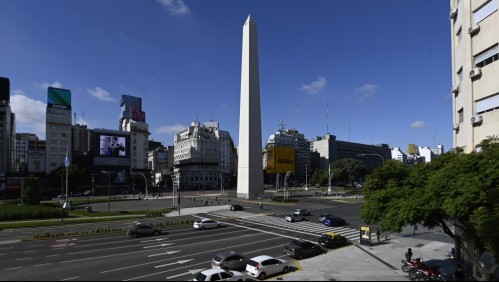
{"x":20,"y":212}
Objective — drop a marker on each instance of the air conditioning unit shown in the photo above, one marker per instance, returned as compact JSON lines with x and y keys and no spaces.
{"x":476,"y":72}
{"x":456,"y":126}
{"x":455,"y":89}
{"x":476,"y":119}
{"x":474,"y":29}
{"x":453,"y":13}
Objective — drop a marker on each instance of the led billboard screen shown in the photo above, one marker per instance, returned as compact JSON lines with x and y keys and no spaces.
{"x":280,"y":159}
{"x":131,"y":108}
{"x":59,"y":97}
{"x":4,"y":89}
{"x":112,"y":146}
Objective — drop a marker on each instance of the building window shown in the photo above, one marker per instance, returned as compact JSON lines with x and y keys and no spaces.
{"x":487,"y":57}
{"x":459,"y":35}
{"x":485,"y":11}
{"x":487,"y":104}
{"x":460,"y":114}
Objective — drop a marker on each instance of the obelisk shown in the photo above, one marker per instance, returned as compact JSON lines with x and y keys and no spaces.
{"x":250,"y":165}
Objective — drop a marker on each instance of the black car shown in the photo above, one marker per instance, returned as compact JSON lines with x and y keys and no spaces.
{"x":300,"y":248}
{"x":334,"y":221}
{"x":236,"y":208}
{"x":140,"y":229}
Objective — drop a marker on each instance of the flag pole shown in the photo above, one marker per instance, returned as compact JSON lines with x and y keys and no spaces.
{"x":66,"y":163}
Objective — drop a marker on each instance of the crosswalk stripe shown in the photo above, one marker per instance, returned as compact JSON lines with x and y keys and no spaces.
{"x":312,"y":227}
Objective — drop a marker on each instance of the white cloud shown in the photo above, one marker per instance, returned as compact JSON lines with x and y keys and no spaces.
{"x":366,"y":91}
{"x":171,"y":129}
{"x":418,"y":124}
{"x":101,"y":94}
{"x":175,"y":7}
{"x":315,"y":87}
{"x":30,"y":113}
{"x":45,"y":85}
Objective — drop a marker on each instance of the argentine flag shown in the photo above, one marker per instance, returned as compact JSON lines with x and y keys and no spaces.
{"x":66,"y":161}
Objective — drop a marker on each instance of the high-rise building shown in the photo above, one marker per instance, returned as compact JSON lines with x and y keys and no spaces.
{"x":7,"y":133}
{"x":475,"y":65}
{"x":58,"y":128}
{"x":133,"y":120}
{"x":250,"y":169}
{"x":81,"y":140}
{"x":21,"y":151}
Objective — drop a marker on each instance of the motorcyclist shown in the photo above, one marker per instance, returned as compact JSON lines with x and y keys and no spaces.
{"x":408,"y":255}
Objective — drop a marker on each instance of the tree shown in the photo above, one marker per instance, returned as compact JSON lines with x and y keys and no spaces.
{"x":351,"y":169}
{"x":454,"y":190}
{"x":31,"y":194}
{"x":76,"y":176}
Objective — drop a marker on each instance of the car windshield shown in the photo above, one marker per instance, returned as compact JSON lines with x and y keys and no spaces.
{"x":218,"y":258}
{"x":326,"y":236}
{"x":200,"y":277}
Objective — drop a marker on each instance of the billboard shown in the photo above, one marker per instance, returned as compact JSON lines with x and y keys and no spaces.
{"x":131,"y":108}
{"x":59,"y":97}
{"x":4,"y":89}
{"x":112,"y":146}
{"x":36,"y":161}
{"x":280,"y":159}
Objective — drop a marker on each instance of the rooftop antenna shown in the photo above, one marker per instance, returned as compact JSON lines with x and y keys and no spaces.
{"x":83,"y":118}
{"x":74,"y":117}
{"x":282,"y":125}
{"x":349,"y":131}
{"x":327,"y":117}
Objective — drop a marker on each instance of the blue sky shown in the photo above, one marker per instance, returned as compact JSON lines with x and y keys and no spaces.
{"x":382,"y":67}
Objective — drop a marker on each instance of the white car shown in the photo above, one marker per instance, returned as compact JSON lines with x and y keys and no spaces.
{"x":206,"y":223}
{"x":219,"y":275}
{"x":294,"y":217}
{"x":263,"y":266}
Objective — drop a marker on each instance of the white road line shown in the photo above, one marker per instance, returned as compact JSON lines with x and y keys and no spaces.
{"x":40,"y":265}
{"x":51,"y":256}
{"x":23,"y":259}
{"x":72,"y":278}
{"x":28,"y":252}
{"x":14,"y":268}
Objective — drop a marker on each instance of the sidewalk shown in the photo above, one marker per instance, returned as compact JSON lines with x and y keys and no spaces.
{"x":380,"y":262}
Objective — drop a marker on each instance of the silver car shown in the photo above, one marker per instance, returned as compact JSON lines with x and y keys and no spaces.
{"x":229,"y":261}
{"x":294,"y":217}
{"x":206,"y":223}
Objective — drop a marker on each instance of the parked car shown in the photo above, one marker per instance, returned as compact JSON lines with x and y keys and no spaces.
{"x":140,"y":229}
{"x":332,"y":240}
{"x":334,"y":221}
{"x":263,"y":266}
{"x":300,"y":248}
{"x":219,"y":275}
{"x":302,"y":212}
{"x":294,"y":217}
{"x":236,"y":207}
{"x":206,"y":223}
{"x":229,"y":261}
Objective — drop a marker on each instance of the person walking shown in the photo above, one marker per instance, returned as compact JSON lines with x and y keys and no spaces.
{"x":378,"y":234}
{"x":408,"y":255}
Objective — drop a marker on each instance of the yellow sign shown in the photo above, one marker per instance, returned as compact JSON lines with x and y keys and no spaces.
{"x":280,"y":159}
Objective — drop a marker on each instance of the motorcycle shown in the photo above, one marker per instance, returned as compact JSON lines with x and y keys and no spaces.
{"x":423,"y":272}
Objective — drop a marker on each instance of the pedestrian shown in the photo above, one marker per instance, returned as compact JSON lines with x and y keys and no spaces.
{"x":415,"y":229}
{"x":459,"y":273}
{"x":378,"y":234}
{"x":261,"y":206}
{"x":408,"y":255}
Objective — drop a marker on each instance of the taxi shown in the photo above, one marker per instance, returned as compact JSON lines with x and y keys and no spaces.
{"x":332,"y":240}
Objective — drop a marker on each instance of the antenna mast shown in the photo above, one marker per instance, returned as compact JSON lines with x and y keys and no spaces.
{"x":327,"y":117}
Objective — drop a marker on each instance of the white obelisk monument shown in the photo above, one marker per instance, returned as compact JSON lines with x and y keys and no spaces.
{"x":250,"y":165}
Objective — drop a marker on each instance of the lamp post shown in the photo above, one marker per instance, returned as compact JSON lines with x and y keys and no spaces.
{"x":108,"y":190}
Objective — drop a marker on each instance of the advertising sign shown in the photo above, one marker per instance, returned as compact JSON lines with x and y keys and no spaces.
{"x":36,"y":161}
{"x":280,"y":159}
{"x":112,"y":146}
{"x":59,"y":97}
{"x":365,"y":235}
{"x":131,"y":108}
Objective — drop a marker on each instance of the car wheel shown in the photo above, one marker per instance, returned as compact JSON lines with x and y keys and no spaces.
{"x":134,"y":235}
{"x":262,"y":276}
{"x":202,"y":227}
{"x":219,"y":226}
{"x":156,"y":233}
{"x":285,"y":270}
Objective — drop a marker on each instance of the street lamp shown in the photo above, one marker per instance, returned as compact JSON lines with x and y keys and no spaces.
{"x":108,"y":190}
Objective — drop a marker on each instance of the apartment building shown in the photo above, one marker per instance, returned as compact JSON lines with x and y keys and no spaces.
{"x":475,"y":69}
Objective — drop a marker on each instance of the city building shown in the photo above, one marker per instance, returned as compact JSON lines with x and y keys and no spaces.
{"x":196,"y":158}
{"x":204,"y":157}
{"x":331,"y":150}
{"x":20,"y":159}
{"x":7,"y":134}
{"x":133,"y":120}
{"x":58,"y":128}
{"x":399,"y":155}
{"x":287,"y":150}
{"x":82,"y":142}
{"x":475,"y":65}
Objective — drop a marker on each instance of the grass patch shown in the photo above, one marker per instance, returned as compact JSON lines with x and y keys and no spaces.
{"x":24,"y":212}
